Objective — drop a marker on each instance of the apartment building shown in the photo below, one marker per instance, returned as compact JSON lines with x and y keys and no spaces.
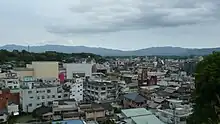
{"x":10,"y":80}
{"x":76,"y":88}
{"x":81,"y":69}
{"x":34,"y":95}
{"x":101,"y":90}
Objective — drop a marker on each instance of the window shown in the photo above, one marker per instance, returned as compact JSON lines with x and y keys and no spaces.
{"x":29,"y":92}
{"x":43,"y":97}
{"x":30,"y":105}
{"x":31,"y":97}
{"x":38,"y":104}
{"x":80,"y":89}
{"x":80,"y":94}
{"x":10,"y":81}
{"x":15,"y":87}
{"x":2,"y":120}
{"x":48,"y":97}
{"x":10,"y":87}
{"x":65,"y":95}
{"x":38,"y":97}
{"x":48,"y":91}
{"x":37,"y":91}
{"x":59,"y":96}
{"x":53,"y":96}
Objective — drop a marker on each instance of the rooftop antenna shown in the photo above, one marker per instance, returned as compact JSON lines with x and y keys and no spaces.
{"x":28,"y":48}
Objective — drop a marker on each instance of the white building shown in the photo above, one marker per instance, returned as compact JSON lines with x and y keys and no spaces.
{"x":177,"y":114}
{"x":34,"y":96}
{"x":78,"y":68}
{"x":13,"y":109}
{"x":10,"y":80}
{"x":76,"y":89}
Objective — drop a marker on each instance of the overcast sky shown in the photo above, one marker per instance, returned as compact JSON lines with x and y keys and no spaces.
{"x":118,"y":24}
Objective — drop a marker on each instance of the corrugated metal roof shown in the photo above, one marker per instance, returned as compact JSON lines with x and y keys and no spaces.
{"x":135,"y":112}
{"x":148,"y":119}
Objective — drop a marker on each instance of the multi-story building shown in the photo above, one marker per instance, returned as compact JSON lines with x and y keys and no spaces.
{"x":11,"y":81}
{"x":101,"y":90}
{"x":41,"y":69}
{"x":76,"y":88}
{"x":33,"y":95}
{"x":175,"y":112}
{"x":81,"y":69}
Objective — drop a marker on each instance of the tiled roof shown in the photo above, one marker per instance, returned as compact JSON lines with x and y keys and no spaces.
{"x":135,"y":97}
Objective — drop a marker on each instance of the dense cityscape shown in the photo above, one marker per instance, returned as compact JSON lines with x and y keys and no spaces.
{"x":109,"y":62}
{"x":116,"y":90}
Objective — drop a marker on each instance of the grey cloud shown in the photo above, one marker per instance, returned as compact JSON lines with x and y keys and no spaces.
{"x":120,"y":15}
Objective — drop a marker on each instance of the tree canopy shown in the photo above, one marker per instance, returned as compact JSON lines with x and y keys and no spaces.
{"x":26,"y":57}
{"x":207,"y":92}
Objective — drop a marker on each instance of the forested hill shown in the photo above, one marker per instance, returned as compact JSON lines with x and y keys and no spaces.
{"x":26,"y":57}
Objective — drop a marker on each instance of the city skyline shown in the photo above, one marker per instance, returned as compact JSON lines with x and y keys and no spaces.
{"x":121,"y":24}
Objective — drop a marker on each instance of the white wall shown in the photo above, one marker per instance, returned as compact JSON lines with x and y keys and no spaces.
{"x":78,"y":68}
{"x":76,"y":91}
{"x":13,"y":108}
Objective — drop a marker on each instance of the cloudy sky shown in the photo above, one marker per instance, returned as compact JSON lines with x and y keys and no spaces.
{"x":119,"y":24}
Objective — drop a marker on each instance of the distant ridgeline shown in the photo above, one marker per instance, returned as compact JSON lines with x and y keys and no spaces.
{"x":21,"y":57}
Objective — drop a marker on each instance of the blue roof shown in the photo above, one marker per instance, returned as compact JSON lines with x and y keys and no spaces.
{"x":69,"y":122}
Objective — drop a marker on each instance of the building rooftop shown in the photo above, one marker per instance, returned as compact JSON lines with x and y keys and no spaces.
{"x":135,"y":97}
{"x":23,"y":69}
{"x":136,"y":112}
{"x":148,"y":119}
{"x":69,"y":122}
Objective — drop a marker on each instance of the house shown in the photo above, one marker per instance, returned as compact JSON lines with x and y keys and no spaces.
{"x":138,"y":116}
{"x":133,"y":100}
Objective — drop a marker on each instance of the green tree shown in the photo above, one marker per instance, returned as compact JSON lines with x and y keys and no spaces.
{"x":207,"y":92}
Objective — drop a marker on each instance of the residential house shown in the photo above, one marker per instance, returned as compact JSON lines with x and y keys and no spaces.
{"x":138,"y":116}
{"x":134,"y":100}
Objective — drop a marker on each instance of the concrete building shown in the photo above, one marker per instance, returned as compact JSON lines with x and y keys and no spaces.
{"x":101,"y":90}
{"x":10,"y":81}
{"x":23,"y":72}
{"x":82,"y":69}
{"x":41,"y":69}
{"x":36,"y":94}
{"x":175,"y":112}
{"x":76,"y":91}
{"x":65,"y":110}
{"x":46,"y":69}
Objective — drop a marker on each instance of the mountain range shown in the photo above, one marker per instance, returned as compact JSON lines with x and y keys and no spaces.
{"x":163,"y":51}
